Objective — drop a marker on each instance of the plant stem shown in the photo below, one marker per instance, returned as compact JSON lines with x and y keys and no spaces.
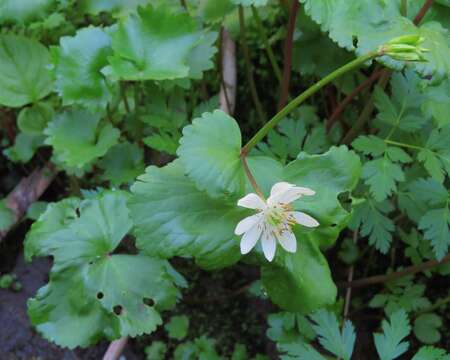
{"x":268,"y":48}
{"x":396,"y":143}
{"x":420,"y":15}
{"x":248,"y":66}
{"x":288,"y":55}
{"x":378,"y":279}
{"x":404,"y":7}
{"x":123,"y":92}
{"x":136,"y":100}
{"x":351,"y":270}
{"x":341,"y":107}
{"x":358,"y":62}
{"x":251,"y":178}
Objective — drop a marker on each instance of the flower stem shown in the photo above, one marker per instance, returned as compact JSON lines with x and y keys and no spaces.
{"x":358,"y":62}
{"x":391,"y":142}
{"x":270,"y":54}
{"x":251,"y":178}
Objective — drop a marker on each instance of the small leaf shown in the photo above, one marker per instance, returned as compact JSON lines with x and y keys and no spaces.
{"x":339,"y":343}
{"x":429,"y":190}
{"x":78,"y":61}
{"x":436,"y":227}
{"x":6,"y":216}
{"x":24,"y":77}
{"x":78,"y":137}
{"x":177,"y":327}
{"x":389,"y":344}
{"x":24,"y":148}
{"x":382,"y":175}
{"x":426,"y":328}
{"x":211,"y":159}
{"x":370,"y":145}
{"x":431,"y":353}
{"x":33,"y":120}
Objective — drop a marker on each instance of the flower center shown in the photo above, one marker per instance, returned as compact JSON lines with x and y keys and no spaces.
{"x":277,"y":217}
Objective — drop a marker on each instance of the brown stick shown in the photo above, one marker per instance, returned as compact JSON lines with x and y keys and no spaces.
{"x":227,"y":95}
{"x":422,"y":12}
{"x":378,"y":279}
{"x":27,"y":192}
{"x":351,"y":270}
{"x":335,"y":116}
{"x":115,"y":349}
{"x":288,"y":55}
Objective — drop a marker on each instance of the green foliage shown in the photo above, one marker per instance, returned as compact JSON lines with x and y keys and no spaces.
{"x":389,"y":344}
{"x":426,"y":328}
{"x":156,"y":351}
{"x":6,"y":216}
{"x":88,"y":286}
{"x":78,"y":137}
{"x":24,"y":77}
{"x":24,"y":147}
{"x":33,"y":120}
{"x":177,"y":327}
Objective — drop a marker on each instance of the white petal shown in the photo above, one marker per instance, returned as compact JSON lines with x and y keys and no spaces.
{"x":286,"y":193}
{"x":288,"y":241}
{"x":252,"y":201}
{"x":303,"y":219}
{"x":250,"y":239}
{"x":246,"y":224}
{"x":269,"y":245}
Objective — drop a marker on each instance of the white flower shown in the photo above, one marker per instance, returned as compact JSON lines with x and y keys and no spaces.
{"x":273,"y":219}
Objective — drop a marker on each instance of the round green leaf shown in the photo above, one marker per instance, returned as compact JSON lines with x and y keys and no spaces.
{"x":78,"y":137}
{"x":33,"y":120}
{"x":78,"y":61}
{"x":154,"y":44}
{"x":300,"y":282}
{"x":173,"y":218}
{"x":24,"y":77}
{"x":426,"y":328}
{"x":209,"y":151}
{"x":23,"y":11}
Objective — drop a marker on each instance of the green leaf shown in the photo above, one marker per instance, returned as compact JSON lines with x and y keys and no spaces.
{"x":211,"y":159}
{"x":300,"y":351}
{"x":156,"y":351}
{"x":381,"y":175}
{"x":6,"y":216}
{"x":373,"y":23}
{"x":177,"y":327}
{"x":435,"y":225}
{"x":431,"y":353}
{"x":201,"y":55}
{"x":389,"y":344}
{"x":300,"y":282}
{"x":173,"y":218}
{"x":24,"y":148}
{"x":23,"y":11}
{"x":122,"y":163}
{"x":429,"y":191}
{"x":250,"y":2}
{"x":33,"y":120}
{"x":154,"y":44}
{"x":24,"y":77}
{"x":397,"y":154}
{"x":103,"y":294}
{"x":163,"y":142}
{"x":339,"y":343}
{"x":78,"y":137}
{"x":63,"y":312}
{"x":335,"y":172}
{"x":78,"y":61}
{"x":426,"y":328}
{"x":370,"y":217}
{"x":370,"y":145}
{"x":36,"y":209}
{"x":437,"y":102}
{"x":114,"y":6}
{"x":436,"y":155}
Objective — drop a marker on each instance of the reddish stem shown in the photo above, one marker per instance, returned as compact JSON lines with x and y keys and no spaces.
{"x":335,"y":116}
{"x":422,"y":12}
{"x":288,"y":55}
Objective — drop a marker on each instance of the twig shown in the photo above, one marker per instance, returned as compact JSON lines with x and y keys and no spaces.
{"x":335,"y":116}
{"x":348,"y":293}
{"x":248,"y":67}
{"x":115,"y":349}
{"x":227,"y":95}
{"x":422,"y":12}
{"x":268,"y":48}
{"x":288,"y":55}
{"x":27,"y":192}
{"x":378,"y":279}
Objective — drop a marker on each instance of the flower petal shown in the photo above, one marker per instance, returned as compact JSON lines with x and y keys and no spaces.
{"x":252,"y":201}
{"x":250,"y":239}
{"x":303,"y":219}
{"x":246,"y":224}
{"x":288,"y":241}
{"x":269,"y":245}
{"x":286,"y":193}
